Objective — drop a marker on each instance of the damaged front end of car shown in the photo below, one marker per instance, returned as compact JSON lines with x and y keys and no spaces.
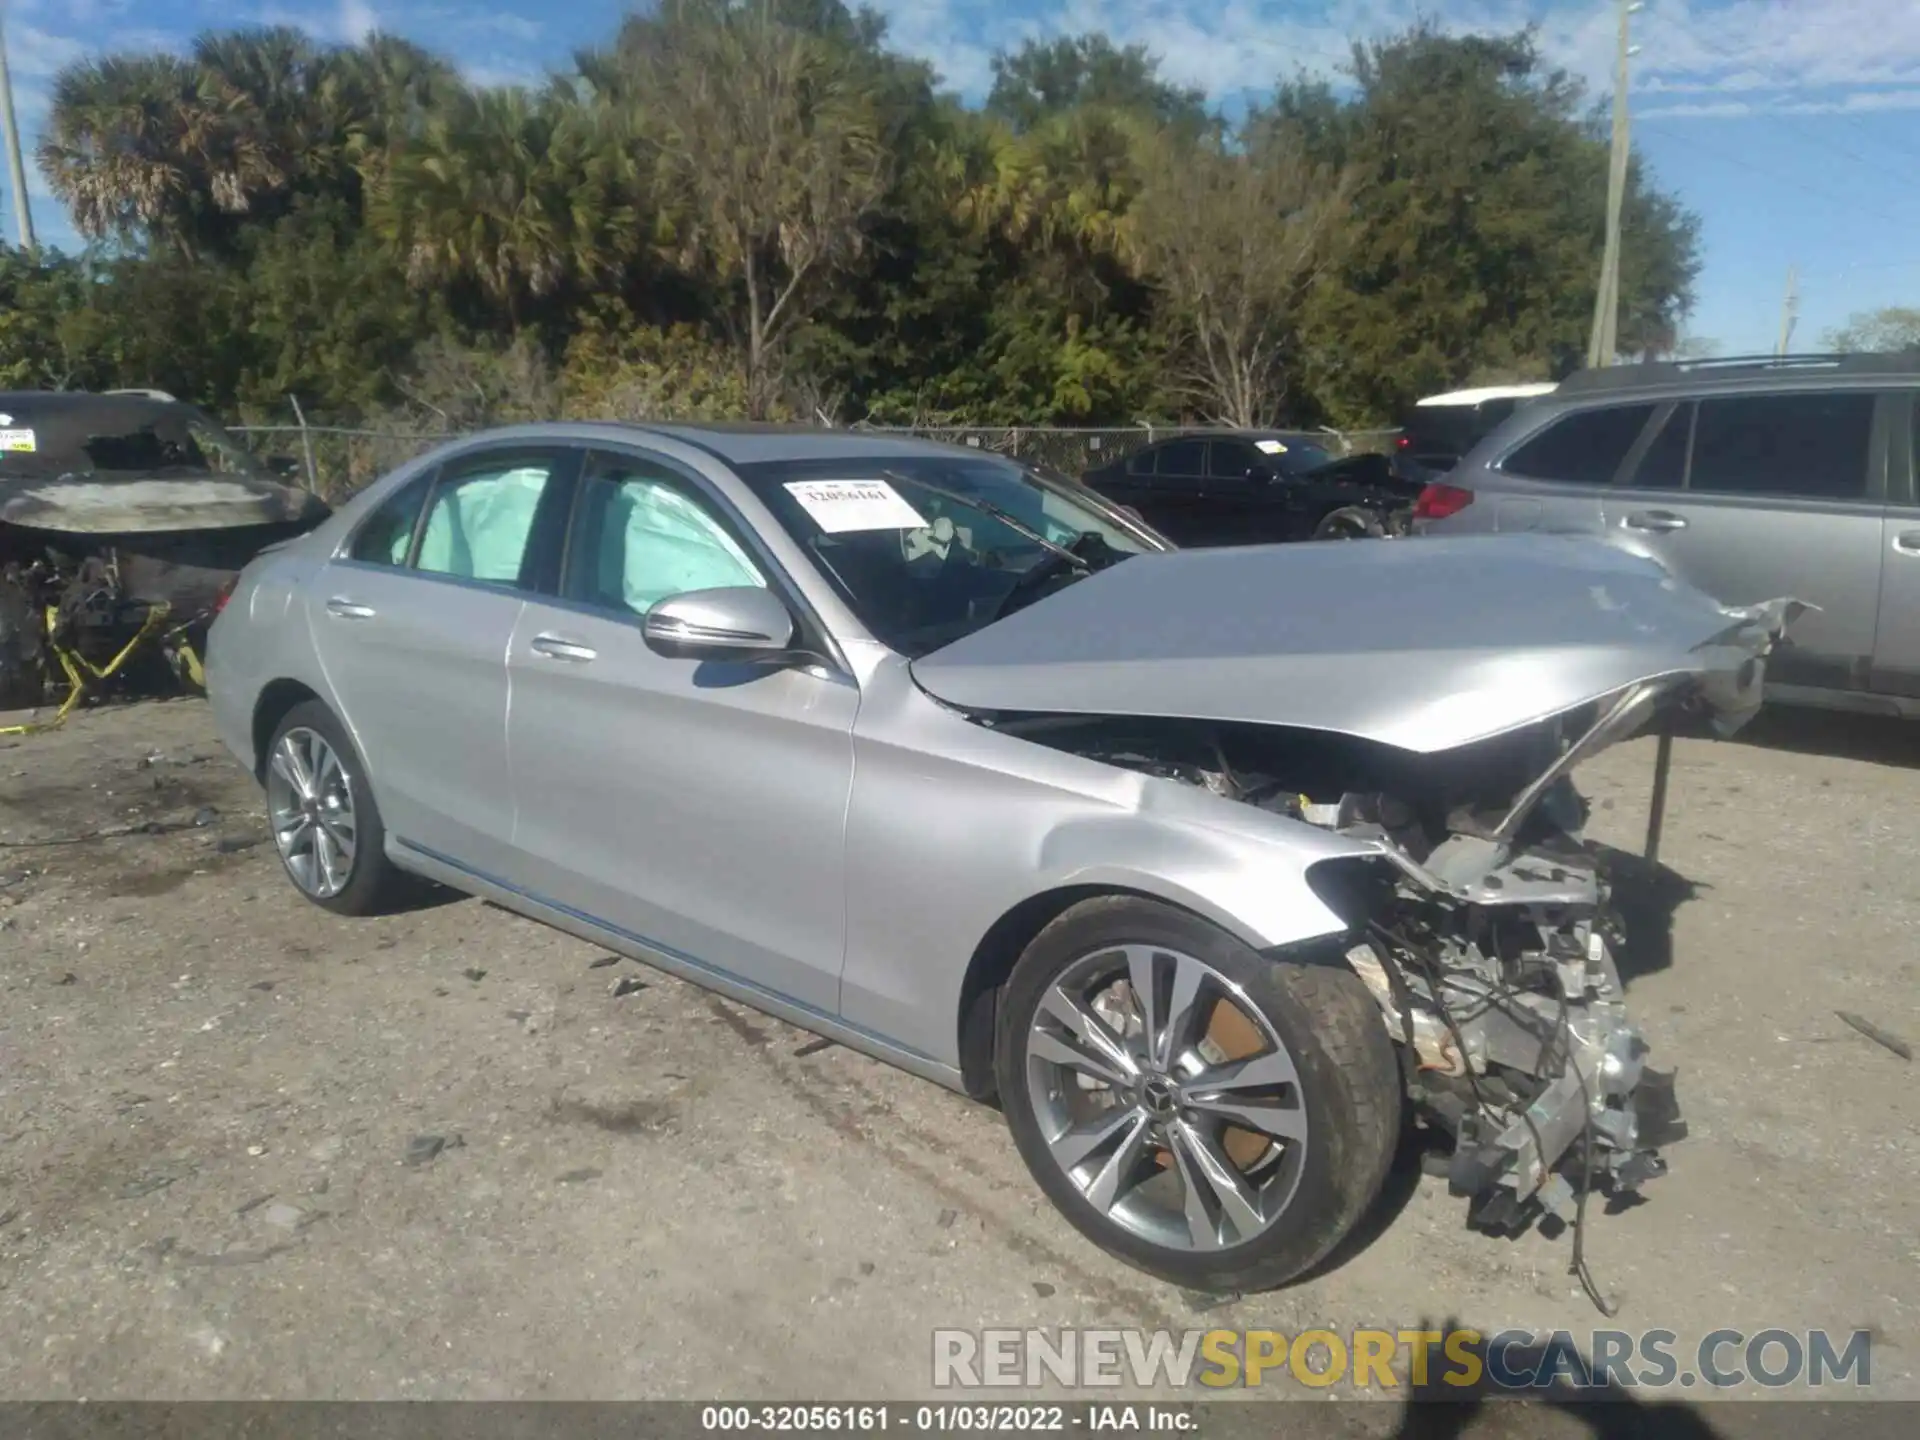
{"x":1432,"y":716}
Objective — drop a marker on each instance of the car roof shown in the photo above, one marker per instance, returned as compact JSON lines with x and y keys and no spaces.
{"x":750,"y":444}
{"x":1739,"y":373}
{"x":136,"y":405}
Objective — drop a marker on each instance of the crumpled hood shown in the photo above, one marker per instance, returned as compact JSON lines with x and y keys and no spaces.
{"x":1423,"y":644}
{"x":86,"y":504}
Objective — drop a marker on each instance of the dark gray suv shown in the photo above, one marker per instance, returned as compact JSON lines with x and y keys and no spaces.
{"x":1751,"y":479}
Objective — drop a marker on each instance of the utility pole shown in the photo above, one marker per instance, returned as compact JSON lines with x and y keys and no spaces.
{"x":16,"y":167}
{"x":1789,"y":309}
{"x":1604,"y":343}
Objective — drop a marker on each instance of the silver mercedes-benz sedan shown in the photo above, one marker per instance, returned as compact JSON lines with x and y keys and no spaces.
{"x":1217,"y":868}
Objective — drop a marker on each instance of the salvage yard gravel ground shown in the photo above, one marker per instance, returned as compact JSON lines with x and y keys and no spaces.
{"x":249,"y":1149}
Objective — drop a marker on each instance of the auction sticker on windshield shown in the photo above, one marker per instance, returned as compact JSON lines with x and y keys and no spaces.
{"x":842,"y":505}
{"x":1270,"y":447}
{"x":18,"y":440}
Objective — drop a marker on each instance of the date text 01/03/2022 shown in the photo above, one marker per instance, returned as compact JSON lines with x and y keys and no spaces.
{"x":945,"y":1419}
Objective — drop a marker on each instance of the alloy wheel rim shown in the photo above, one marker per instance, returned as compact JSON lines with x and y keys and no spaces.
{"x":1167,"y":1098}
{"x":310,"y":805}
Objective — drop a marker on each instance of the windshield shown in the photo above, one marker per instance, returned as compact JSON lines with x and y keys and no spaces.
{"x":116,"y":440}
{"x":913,"y":546}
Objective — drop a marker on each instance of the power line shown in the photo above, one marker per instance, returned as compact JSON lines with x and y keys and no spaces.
{"x":1777,"y":178}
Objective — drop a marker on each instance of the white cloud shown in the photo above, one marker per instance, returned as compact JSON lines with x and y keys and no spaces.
{"x":357,"y":20}
{"x":1772,"y":53}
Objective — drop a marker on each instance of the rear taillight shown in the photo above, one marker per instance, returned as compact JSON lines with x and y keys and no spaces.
{"x":225,"y":594}
{"x":1437,"y":502}
{"x":1405,"y":442}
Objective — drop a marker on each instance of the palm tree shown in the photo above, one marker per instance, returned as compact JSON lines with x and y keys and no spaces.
{"x":1067,"y":182}
{"x":495,"y":190}
{"x":149,"y":144}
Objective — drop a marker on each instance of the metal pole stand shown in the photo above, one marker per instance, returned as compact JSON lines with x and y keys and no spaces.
{"x":1657,"y":811}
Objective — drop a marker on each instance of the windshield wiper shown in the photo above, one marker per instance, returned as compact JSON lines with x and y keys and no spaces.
{"x":1056,"y":552}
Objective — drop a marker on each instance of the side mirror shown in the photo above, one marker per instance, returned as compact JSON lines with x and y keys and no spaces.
{"x":732,"y":622}
{"x":1261,"y":474}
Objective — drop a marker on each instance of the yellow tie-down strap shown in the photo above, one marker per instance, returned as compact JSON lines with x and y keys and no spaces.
{"x":80,"y":670}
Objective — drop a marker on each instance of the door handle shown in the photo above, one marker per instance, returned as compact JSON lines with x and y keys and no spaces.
{"x":555,"y":647}
{"x":1658,"y":521}
{"x":1907,"y":542}
{"x":345,"y":609}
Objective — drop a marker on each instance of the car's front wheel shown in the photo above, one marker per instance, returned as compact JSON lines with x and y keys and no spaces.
{"x":326,"y":825}
{"x":1217,"y":1117}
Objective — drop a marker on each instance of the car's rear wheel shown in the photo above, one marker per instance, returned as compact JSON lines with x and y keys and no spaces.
{"x":1350,"y":522}
{"x":1212,"y":1115}
{"x":326,"y":825}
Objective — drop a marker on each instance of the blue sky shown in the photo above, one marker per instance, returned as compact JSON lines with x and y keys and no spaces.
{"x":1792,"y":127}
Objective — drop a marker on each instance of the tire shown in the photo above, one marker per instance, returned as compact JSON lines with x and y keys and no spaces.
{"x":23,"y":647}
{"x":1346,"y":1093}
{"x":1350,"y":522}
{"x":370,"y":884}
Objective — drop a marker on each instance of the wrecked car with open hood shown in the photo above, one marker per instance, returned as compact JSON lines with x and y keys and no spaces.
{"x":1212,"y":866}
{"x":122,"y":516}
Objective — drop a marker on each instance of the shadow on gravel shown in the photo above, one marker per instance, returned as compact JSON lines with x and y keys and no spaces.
{"x":1876,"y":739}
{"x":1645,"y":897}
{"x":1505,"y":1401}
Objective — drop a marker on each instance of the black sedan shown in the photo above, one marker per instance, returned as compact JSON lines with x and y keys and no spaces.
{"x":1246,"y":487}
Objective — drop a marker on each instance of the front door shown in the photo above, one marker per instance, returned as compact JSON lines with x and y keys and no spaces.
{"x":697,"y":806}
{"x":1756,"y":497}
{"x":411,"y":625}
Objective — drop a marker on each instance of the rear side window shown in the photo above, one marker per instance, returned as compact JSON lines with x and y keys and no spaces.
{"x":480,"y":522}
{"x":386,"y":536}
{"x":1807,"y":446}
{"x":1584,"y":448}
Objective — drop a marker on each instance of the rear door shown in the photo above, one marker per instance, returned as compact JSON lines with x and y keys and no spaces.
{"x":411,"y":624}
{"x":698,"y":806}
{"x":1896,"y":647}
{"x":1567,"y":468}
{"x":1755,"y":496}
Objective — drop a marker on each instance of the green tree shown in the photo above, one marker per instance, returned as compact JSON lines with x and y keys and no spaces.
{"x":1478,"y":218}
{"x":1235,"y":238}
{"x":771,"y":159}
{"x":502,"y":191}
{"x":1893,"y":328}
{"x":1049,"y":77}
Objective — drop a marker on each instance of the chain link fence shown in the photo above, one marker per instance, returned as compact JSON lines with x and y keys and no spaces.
{"x":338,"y":461}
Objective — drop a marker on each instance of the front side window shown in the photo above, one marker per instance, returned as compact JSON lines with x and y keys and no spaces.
{"x":1664,"y":465}
{"x":1230,"y":459}
{"x":639,"y":536}
{"x":479,"y":521}
{"x":1807,"y":446}
{"x":915,"y":547}
{"x":1584,"y":448}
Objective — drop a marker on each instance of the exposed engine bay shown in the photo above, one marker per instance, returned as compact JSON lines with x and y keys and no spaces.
{"x":82,"y":610}
{"x":1485,"y":930}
